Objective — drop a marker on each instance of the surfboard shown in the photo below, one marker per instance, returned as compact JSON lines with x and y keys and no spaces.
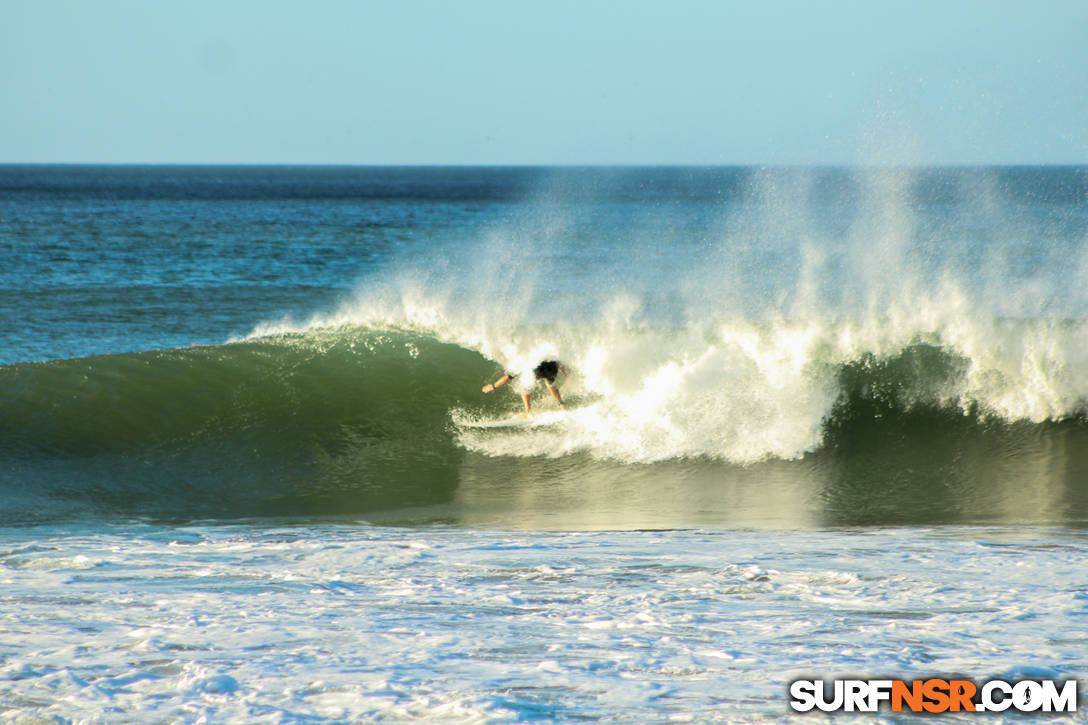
{"x":532,"y":421}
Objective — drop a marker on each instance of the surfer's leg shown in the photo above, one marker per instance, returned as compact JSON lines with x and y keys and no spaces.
{"x":558,"y":398}
{"x":525,"y":399}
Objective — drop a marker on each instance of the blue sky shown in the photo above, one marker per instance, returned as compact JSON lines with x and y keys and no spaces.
{"x":512,"y":82}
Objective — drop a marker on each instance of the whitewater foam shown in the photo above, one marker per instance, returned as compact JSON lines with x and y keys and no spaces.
{"x":349,"y":622}
{"x":748,"y":390}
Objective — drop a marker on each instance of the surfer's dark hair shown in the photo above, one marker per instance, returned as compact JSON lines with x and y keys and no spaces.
{"x":546,"y":370}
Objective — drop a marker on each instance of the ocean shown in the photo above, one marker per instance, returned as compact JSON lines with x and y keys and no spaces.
{"x":822,"y":422}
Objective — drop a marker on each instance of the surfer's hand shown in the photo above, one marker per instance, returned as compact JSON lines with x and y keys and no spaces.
{"x":488,"y":388}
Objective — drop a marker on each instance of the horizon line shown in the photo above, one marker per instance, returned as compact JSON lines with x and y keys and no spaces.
{"x":627,"y":165}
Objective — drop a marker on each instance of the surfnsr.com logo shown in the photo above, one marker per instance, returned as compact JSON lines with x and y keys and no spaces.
{"x":934,"y":695}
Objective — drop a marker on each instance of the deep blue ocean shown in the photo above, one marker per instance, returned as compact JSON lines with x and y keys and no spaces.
{"x":822,"y":421}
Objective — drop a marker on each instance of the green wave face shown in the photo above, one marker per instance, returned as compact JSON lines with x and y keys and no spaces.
{"x":365,"y":422}
{"x":322,"y":423}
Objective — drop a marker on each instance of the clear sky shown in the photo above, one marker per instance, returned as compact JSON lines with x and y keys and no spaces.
{"x":557,"y":82}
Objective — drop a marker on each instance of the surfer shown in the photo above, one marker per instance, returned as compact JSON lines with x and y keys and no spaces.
{"x":545,"y":371}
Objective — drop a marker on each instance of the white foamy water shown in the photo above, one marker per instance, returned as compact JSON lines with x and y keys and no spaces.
{"x":743,"y":390}
{"x":353,"y":623}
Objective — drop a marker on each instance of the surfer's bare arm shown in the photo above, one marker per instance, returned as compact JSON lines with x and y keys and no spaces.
{"x":568,"y":375}
{"x":497,"y":384}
